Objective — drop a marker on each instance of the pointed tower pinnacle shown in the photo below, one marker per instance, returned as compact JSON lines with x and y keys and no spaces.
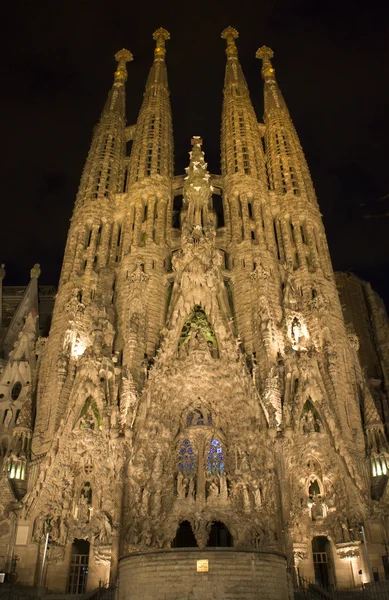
{"x":122,"y":57}
{"x":230,"y":34}
{"x":287,"y":167}
{"x":266,"y":54}
{"x":160,"y":36}
{"x":103,"y":170}
{"x":152,"y":152}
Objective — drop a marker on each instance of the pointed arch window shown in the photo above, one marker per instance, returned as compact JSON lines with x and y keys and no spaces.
{"x":197,"y":325}
{"x":310,"y":418}
{"x":186,"y":460}
{"x":90,"y":417}
{"x":215,"y":458}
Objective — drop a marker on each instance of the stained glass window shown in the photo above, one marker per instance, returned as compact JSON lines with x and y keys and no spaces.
{"x":186,"y":458}
{"x":215,"y":458}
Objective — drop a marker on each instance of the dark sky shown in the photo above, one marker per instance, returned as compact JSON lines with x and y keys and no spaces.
{"x":331,"y":61}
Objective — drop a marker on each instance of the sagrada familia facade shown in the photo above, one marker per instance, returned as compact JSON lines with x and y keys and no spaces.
{"x":208,"y":412}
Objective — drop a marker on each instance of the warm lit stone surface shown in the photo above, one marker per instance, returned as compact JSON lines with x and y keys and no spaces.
{"x":201,"y":379}
{"x":233,"y":575}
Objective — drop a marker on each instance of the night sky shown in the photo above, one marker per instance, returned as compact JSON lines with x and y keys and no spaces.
{"x":331,"y":61}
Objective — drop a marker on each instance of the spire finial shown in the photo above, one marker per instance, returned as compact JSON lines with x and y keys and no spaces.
{"x":196,"y":140}
{"x":160,"y":36}
{"x":230,"y":34}
{"x":2,"y":271}
{"x":122,"y":57}
{"x":35,"y":271}
{"x":266,"y":54}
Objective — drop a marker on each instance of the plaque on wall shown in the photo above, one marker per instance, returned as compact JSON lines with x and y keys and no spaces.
{"x":202,"y":566}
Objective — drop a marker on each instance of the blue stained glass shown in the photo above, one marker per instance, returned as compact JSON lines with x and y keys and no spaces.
{"x":186,"y":458}
{"x":215,"y":458}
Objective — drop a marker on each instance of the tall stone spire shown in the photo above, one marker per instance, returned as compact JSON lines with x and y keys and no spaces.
{"x":287,"y":167}
{"x":248,"y":218}
{"x":198,"y":217}
{"x":102,"y":175}
{"x":152,"y":152}
{"x":85,"y":289}
{"x":241,"y":138}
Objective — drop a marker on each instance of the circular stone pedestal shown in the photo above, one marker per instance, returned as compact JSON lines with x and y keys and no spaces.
{"x":209,"y":574}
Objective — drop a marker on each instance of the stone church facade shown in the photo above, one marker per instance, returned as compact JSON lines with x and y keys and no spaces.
{"x":205,"y":384}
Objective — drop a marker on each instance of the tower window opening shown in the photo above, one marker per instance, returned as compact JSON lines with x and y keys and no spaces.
{"x":303,"y":238}
{"x":95,"y":261}
{"x":119,"y":235}
{"x":79,"y":296}
{"x":125,"y":180}
{"x":276,"y":239}
{"x":85,"y":264}
{"x":250,"y":209}
{"x":145,"y":213}
{"x":98,"y":239}
{"x":253,"y":235}
{"x":128,"y":147}
{"x":217,"y":203}
{"x":176,"y":212}
{"x":16,"y":389}
{"x":292,"y":233}
{"x":89,"y":238}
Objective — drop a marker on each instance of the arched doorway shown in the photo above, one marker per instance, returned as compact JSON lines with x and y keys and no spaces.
{"x":78,"y":574}
{"x":184,"y":537}
{"x":321,"y":550}
{"x":219,"y":536}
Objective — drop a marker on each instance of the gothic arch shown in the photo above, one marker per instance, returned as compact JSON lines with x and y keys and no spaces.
{"x":310,"y":419}
{"x":197,"y":331}
{"x":89,"y":416}
{"x":195,"y":414}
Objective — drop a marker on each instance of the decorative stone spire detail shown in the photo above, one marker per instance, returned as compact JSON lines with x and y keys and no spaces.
{"x":230,"y":34}
{"x":122,"y":57}
{"x":35,"y":271}
{"x":160,"y":36}
{"x":266,"y":54}
{"x":197,"y":193}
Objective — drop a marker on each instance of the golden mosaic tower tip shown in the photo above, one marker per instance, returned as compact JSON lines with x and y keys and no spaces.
{"x":122,"y":57}
{"x":230,"y":34}
{"x":266,"y":54}
{"x":196,"y":140}
{"x":160,"y":36}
